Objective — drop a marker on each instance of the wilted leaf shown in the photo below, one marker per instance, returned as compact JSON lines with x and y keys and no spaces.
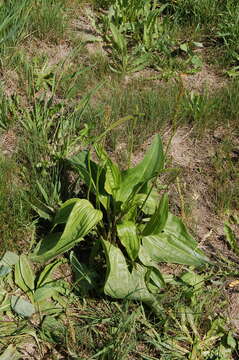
{"x":10,"y":353}
{"x":7,"y":261}
{"x":45,"y":276}
{"x":22,"y":307}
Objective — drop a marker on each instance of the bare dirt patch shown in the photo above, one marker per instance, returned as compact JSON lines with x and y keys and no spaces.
{"x":8,"y":143}
{"x":205,"y":79}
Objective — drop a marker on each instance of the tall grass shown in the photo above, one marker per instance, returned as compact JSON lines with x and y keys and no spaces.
{"x":47,"y":19}
{"x":15,"y":219}
{"x":13,"y":20}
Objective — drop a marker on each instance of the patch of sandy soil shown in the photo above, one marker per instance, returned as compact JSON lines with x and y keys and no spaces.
{"x":193,"y":158}
{"x":205,"y":79}
{"x":8,"y":143}
{"x":55,"y":52}
{"x":10,"y":79}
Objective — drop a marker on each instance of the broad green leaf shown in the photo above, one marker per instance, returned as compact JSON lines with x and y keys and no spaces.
{"x":112,"y":172}
{"x":197,"y":61}
{"x":166,"y":248}
{"x":45,"y":246}
{"x":173,"y":245}
{"x":159,"y":218}
{"x":147,"y":202}
{"x":154,"y":280}
{"x":157,"y":278}
{"x":82,"y":219}
{"x":184,"y":47}
{"x":112,"y":178}
{"x":146,"y":259}
{"x":120,"y":283}
{"x":87,"y":169}
{"x":127,"y":233}
{"x":63,"y":213}
{"x":231,"y":341}
{"x":149,"y":167}
{"x":24,"y":276}
{"x":193,"y":279}
{"x":10,"y":353}
{"x":46,"y":275}
{"x":22,"y":307}
{"x":44,"y":293}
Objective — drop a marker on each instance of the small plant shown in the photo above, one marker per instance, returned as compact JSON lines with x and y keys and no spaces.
{"x":134,"y":29}
{"x":33,"y":290}
{"x":122,"y":61}
{"x":134,"y":228}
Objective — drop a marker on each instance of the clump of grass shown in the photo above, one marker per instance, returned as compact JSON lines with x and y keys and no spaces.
{"x":14,"y":212}
{"x":13,"y":18}
{"x":47,"y":20}
{"x":228,"y":31}
{"x":195,"y":12}
{"x":225,"y":177}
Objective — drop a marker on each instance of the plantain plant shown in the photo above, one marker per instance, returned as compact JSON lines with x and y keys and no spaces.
{"x":133,"y":225}
{"x":134,"y":29}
